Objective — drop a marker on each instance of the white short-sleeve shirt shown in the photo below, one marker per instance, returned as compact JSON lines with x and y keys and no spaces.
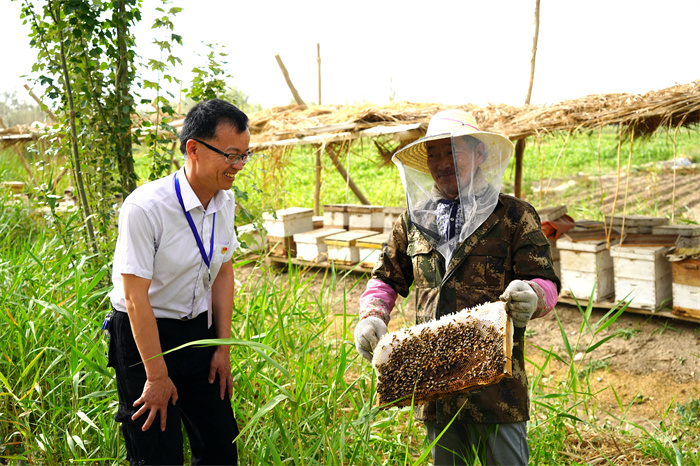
{"x":156,"y":242}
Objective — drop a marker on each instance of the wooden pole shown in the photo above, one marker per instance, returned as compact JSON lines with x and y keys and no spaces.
{"x":317,"y":187}
{"x":520,"y":143}
{"x":296,"y":95}
{"x":318,"y":60}
{"x":41,"y":105}
{"x":534,"y":52}
{"x":24,"y":162}
{"x":346,"y":176}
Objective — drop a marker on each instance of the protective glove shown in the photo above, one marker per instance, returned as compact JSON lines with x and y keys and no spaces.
{"x":521,"y":302}
{"x":367,"y":334}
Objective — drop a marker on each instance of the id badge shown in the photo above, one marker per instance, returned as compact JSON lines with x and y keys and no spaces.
{"x":207,"y":287}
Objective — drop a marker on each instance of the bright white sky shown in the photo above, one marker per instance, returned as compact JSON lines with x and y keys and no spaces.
{"x":450,"y":52}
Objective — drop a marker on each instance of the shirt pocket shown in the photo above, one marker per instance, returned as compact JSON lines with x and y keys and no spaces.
{"x":424,"y":264}
{"x":486,"y":266}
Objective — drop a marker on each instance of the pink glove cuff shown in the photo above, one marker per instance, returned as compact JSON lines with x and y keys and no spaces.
{"x":377,"y":300}
{"x":545,"y":301}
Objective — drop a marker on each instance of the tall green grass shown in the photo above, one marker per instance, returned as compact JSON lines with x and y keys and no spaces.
{"x":302,"y":394}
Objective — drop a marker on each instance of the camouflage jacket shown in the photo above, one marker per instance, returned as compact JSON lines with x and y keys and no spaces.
{"x":509,"y":245}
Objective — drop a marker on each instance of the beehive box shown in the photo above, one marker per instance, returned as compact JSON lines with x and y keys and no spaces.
{"x":390,"y":216}
{"x":635,"y":224}
{"x":317,"y":221}
{"x":642,"y":276}
{"x":287,"y":222}
{"x":688,"y":235}
{"x":342,"y":247}
{"x":336,"y":216}
{"x":585,"y":264}
{"x":281,"y":246}
{"x":311,"y":245}
{"x":370,"y":248}
{"x":686,"y":287}
{"x":250,"y":235}
{"x":556,"y":256}
{"x":366,"y":217}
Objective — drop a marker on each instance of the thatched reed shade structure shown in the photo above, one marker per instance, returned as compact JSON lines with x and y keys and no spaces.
{"x":637,"y":115}
{"x":642,"y":114}
{"x":393,"y":126}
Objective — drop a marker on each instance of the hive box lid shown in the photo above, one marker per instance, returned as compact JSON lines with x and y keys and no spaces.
{"x":364,"y":209}
{"x":547,"y":214}
{"x":314,"y":236}
{"x":348,"y":238}
{"x":374,"y":242}
{"x":636,"y":220}
{"x":336,"y":207}
{"x":690,"y":231}
{"x":290,"y":213}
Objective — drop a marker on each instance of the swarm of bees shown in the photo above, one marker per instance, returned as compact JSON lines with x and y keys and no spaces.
{"x":456,"y":353}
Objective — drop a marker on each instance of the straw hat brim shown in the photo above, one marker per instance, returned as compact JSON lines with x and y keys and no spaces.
{"x":498,"y":150}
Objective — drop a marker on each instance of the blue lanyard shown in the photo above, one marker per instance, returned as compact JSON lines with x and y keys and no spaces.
{"x":207,"y":260}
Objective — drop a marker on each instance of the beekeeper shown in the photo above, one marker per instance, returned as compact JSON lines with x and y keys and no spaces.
{"x":462,"y":243}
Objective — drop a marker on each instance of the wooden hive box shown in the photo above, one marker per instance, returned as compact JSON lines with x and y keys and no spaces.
{"x":635,"y":224}
{"x":686,"y":287}
{"x":370,"y":247}
{"x":287,"y":222}
{"x":342,"y":247}
{"x":585,"y":264}
{"x":311,"y":245}
{"x":281,"y":246}
{"x":391,"y":214}
{"x":336,"y":216}
{"x":688,"y":235}
{"x":642,"y":275}
{"x":366,"y":217}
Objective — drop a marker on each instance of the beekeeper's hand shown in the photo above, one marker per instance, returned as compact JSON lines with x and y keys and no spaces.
{"x":367,"y":334}
{"x":521,"y":301}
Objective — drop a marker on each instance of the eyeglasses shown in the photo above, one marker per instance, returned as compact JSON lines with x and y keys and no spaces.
{"x":231,"y":159}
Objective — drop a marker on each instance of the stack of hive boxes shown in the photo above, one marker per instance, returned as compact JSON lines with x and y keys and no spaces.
{"x":349,"y":234}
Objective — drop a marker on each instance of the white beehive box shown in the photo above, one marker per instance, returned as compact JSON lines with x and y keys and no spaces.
{"x":635,"y":224}
{"x":336,"y":216}
{"x":585,"y":264}
{"x":366,"y":217}
{"x":342,"y":247}
{"x":686,"y":287}
{"x":370,"y":247}
{"x":289,"y":221}
{"x":642,"y":276}
{"x":391,"y":214}
{"x":311,"y":245}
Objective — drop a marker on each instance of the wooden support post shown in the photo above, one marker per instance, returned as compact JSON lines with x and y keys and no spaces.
{"x":519,"y":155}
{"x":351,"y":184}
{"x":41,"y":105}
{"x":296,"y":95}
{"x":317,"y":187}
{"x":318,"y":60}
{"x":24,"y":162}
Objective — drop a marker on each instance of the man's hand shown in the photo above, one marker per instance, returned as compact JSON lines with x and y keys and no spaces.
{"x":154,"y":398}
{"x":221,"y":364}
{"x":521,"y":301}
{"x":367,"y":334}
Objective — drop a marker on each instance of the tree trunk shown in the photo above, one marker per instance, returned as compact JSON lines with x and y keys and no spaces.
{"x":124,"y":100}
{"x":73,"y":133}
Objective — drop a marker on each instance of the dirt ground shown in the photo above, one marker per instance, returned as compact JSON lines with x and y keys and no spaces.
{"x":658,"y":366}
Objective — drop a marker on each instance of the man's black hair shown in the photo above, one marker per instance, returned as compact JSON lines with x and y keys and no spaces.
{"x":203,"y":119}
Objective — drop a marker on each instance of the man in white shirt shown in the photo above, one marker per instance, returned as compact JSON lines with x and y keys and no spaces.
{"x":173,"y":283}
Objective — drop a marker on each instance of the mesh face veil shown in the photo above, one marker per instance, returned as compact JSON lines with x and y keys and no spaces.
{"x":452,"y":181}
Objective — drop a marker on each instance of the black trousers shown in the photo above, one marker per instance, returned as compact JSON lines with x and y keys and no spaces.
{"x":208,"y":420}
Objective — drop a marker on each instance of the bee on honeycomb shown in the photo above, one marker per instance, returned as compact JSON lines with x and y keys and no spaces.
{"x":453,"y":354}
